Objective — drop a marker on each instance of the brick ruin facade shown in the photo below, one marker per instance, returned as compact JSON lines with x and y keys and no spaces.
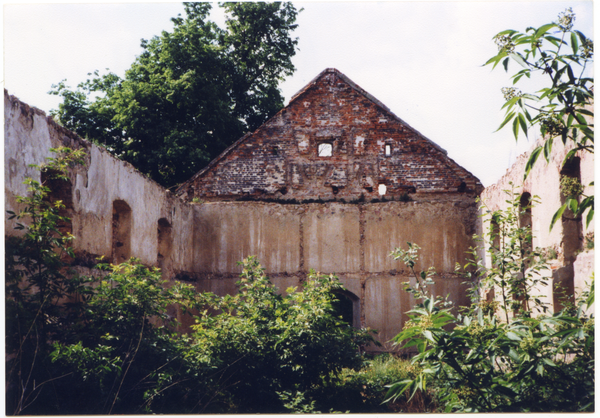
{"x":272,"y":195}
{"x":332,"y":142}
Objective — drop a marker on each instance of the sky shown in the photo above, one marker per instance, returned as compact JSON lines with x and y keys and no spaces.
{"x":422,"y":59}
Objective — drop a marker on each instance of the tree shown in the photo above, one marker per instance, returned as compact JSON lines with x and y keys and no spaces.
{"x":562,"y":110}
{"x":191,"y":93}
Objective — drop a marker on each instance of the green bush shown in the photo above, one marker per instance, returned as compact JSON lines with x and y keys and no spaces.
{"x":271,"y":350}
{"x":364,"y":390}
{"x":505,"y":357}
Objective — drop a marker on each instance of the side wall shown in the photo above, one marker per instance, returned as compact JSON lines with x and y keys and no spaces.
{"x":93,"y":191}
{"x":567,"y":245}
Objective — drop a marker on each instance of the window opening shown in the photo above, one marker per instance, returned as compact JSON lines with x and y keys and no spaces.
{"x":347,"y":306}
{"x":382,"y":189}
{"x":121,"y":231}
{"x":165,"y":241}
{"x":388,"y":149}
{"x":325,"y":149}
{"x":572,"y":227}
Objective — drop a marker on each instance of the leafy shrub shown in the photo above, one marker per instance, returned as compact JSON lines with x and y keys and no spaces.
{"x":364,"y":390}
{"x":520,"y":361}
{"x":271,"y":350}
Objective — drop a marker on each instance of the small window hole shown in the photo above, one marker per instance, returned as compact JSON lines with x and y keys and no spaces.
{"x":382,"y":189}
{"x":325,"y":149}
{"x":388,"y":149}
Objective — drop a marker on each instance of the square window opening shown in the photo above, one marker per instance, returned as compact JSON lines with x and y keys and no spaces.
{"x":325,"y":149}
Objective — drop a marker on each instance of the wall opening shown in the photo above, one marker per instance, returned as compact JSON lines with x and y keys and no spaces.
{"x":325,"y":149}
{"x":60,"y":190}
{"x":165,"y":242}
{"x":525,"y":219}
{"x":388,"y":149}
{"x":347,"y":306}
{"x":495,"y":238}
{"x":382,"y":189}
{"x":572,"y":227}
{"x":122,"y":222}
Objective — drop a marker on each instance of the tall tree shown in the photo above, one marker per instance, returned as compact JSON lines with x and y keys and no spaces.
{"x":191,"y":93}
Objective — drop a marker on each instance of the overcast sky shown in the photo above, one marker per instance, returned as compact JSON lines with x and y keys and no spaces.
{"x":421,"y":59}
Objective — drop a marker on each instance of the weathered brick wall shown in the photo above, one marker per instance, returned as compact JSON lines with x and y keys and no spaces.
{"x":280,"y":160}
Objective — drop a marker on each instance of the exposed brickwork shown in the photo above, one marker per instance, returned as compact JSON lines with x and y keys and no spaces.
{"x":280,"y":160}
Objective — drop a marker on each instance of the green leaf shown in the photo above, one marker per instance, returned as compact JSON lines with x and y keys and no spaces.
{"x":519,"y":59}
{"x":531,"y":161}
{"x":515,"y":127}
{"x":543,"y":29}
{"x":523,"y":123}
{"x":557,"y":215}
{"x":513,"y":336}
{"x":574,"y":43}
{"x":506,"y":120}
{"x":548,"y":149}
{"x":589,"y":217}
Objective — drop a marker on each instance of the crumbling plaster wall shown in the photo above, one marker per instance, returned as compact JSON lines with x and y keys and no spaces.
{"x":370,"y":146}
{"x":573,"y":265}
{"x":352,"y":241}
{"x":28,"y":136}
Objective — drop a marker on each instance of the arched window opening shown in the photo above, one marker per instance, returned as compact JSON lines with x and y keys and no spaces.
{"x":347,"y":306}
{"x":165,"y":241}
{"x":60,"y":190}
{"x":495,"y":235}
{"x":121,"y":231}
{"x":571,"y":226}
{"x":525,"y":220}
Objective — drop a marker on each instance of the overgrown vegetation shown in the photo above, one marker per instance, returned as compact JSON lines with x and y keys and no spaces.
{"x":105,"y":344}
{"x":506,"y":354}
{"x":563,"y":109}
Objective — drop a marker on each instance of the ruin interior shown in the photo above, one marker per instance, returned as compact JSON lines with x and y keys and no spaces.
{"x":333,"y":182}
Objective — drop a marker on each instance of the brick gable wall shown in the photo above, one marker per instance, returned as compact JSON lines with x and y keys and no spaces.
{"x":279,"y":161}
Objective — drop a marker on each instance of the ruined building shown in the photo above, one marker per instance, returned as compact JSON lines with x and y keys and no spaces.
{"x":333,"y":182}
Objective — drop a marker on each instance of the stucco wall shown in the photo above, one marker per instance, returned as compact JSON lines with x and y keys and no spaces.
{"x":352,"y":241}
{"x":28,"y":137}
{"x":573,"y":265}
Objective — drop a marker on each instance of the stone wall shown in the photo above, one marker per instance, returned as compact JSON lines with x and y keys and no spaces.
{"x":567,"y":245}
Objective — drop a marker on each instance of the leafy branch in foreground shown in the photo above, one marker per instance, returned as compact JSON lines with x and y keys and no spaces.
{"x":563,"y":109}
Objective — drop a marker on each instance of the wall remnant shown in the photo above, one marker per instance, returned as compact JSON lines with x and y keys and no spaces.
{"x":333,"y":182}
{"x":569,"y":257}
